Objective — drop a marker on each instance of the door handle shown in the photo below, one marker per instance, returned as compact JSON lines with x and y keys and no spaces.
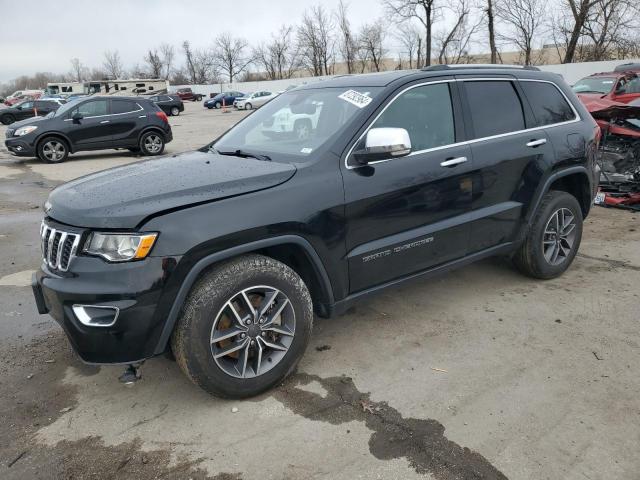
{"x":452,"y":162}
{"x":537,"y":143}
{"x":105,"y":121}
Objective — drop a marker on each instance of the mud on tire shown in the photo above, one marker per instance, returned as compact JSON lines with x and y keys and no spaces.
{"x":193,"y":344}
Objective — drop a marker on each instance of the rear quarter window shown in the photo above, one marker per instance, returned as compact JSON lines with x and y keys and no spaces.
{"x":547,"y":102}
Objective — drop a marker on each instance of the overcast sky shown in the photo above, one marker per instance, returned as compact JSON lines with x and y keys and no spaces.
{"x":46,"y":38}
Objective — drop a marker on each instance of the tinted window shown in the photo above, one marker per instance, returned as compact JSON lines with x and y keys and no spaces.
{"x":426,"y":113}
{"x":25,"y":105}
{"x":495,"y":108}
{"x":91,"y":109}
{"x":123,"y":106}
{"x":548,"y":104}
{"x":154,"y":99}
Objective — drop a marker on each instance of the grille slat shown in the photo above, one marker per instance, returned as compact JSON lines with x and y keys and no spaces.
{"x":58,"y":247}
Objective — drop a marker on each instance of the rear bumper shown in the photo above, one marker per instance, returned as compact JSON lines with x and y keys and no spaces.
{"x":132,"y":291}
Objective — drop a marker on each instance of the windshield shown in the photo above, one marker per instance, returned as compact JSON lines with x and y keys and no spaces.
{"x":296,"y":122}
{"x":594,"y":85}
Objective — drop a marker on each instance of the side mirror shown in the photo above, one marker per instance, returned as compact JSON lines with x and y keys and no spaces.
{"x":383,"y":144}
{"x":77,"y":117}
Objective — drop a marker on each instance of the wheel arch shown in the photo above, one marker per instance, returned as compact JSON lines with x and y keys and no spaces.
{"x":573,"y":180}
{"x":59,"y":135}
{"x":292,"y":250}
{"x":151,"y":128}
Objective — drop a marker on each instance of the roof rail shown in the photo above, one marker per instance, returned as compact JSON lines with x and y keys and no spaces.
{"x":433,"y":68}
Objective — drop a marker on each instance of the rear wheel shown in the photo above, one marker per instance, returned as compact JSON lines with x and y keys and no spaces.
{"x":52,"y":150}
{"x":554,"y":238}
{"x":175,"y":111}
{"x":244,"y":327}
{"x":7,"y":119}
{"x":152,"y":143}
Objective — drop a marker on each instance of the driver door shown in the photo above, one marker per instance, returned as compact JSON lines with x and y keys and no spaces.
{"x":411,"y":213}
{"x":93,"y":130}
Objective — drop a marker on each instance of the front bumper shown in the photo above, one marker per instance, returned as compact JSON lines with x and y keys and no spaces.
{"x":20,"y":147}
{"x":134,"y":289}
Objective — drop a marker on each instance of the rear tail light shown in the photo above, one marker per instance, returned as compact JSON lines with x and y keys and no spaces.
{"x":162,"y":116}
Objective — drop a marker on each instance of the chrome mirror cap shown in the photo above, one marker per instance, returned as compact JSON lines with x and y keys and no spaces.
{"x":383,"y":144}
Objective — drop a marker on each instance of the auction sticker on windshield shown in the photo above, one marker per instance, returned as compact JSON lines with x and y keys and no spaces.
{"x":356,"y":98}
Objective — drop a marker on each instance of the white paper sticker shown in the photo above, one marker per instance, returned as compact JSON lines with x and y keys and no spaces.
{"x":355,"y":98}
{"x":306,"y":150}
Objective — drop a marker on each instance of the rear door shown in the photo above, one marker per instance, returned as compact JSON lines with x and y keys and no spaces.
{"x":411,"y":213}
{"x":509,"y":156}
{"x":93,"y":130}
{"x":126,"y":115}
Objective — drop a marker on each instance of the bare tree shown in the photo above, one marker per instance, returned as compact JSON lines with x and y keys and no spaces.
{"x":316,"y":41}
{"x":348,"y":44}
{"x":609,"y":25}
{"x":424,"y":11}
{"x":580,"y":11}
{"x":168,"y":54}
{"x":454,"y":43}
{"x":199,"y":64}
{"x":154,"y":62}
{"x":411,"y":43}
{"x":112,"y":64}
{"x":78,"y":71}
{"x":524,"y":20}
{"x":279,"y":58}
{"x":230,"y":55}
{"x":371,"y":42}
{"x":490,"y":13}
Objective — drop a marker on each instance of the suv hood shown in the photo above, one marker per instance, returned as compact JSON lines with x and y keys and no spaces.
{"x":124,"y":197}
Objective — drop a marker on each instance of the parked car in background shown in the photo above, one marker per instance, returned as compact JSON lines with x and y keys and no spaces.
{"x":187,"y":94}
{"x":28,"y":109}
{"x":19,"y":94}
{"x":170,"y":104}
{"x":253,"y":100}
{"x":616,"y":86}
{"x":21,"y":98}
{"x":298,"y":125}
{"x":628,"y":67}
{"x":222,"y":99}
{"x":75,"y":96}
{"x":94,"y":123}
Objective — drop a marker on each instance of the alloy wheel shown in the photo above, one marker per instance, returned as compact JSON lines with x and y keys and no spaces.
{"x":153,"y":143}
{"x":253,"y":332}
{"x":53,"y":150}
{"x":559,"y":236}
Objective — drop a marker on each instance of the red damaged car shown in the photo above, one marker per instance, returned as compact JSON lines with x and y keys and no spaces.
{"x":621,"y":86}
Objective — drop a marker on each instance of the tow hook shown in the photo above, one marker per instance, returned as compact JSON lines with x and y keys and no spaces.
{"x":131,"y":374}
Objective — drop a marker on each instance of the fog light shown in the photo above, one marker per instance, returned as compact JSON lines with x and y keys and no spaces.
{"x":19,"y":148}
{"x":96,"y":315}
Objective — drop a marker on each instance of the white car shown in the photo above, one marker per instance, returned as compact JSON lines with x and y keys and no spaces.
{"x":299,"y":124}
{"x":253,"y":100}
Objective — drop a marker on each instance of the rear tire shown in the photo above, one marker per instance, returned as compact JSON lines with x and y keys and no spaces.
{"x":256,"y":350}
{"x":175,"y":111}
{"x":52,"y":150}
{"x":151,"y":144}
{"x":7,"y":119}
{"x":554,"y":238}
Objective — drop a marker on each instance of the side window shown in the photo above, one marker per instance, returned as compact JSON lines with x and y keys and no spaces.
{"x":548,"y":104}
{"x":123,"y":106}
{"x":92,"y":109}
{"x":426,"y":113}
{"x":495,"y":107}
{"x":26,"y":105}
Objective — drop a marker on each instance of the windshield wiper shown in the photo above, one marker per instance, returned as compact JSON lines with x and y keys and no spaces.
{"x":243,"y":154}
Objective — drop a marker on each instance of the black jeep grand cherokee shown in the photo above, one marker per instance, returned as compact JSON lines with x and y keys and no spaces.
{"x":223,"y":254}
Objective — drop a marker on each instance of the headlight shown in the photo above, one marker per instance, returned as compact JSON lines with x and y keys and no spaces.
{"x":24,"y":130}
{"x":120,"y":247}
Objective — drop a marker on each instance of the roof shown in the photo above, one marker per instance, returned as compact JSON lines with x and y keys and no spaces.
{"x":382,"y":79}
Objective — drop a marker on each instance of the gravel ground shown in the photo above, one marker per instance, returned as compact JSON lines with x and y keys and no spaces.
{"x":478,"y":374}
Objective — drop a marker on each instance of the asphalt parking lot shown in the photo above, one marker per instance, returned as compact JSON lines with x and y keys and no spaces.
{"x":482,"y":373}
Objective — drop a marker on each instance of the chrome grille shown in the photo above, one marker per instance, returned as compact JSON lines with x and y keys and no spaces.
{"x":58,"y":247}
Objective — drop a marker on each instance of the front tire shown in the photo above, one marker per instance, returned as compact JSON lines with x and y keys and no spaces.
{"x":244,"y":327}
{"x":52,"y":150}
{"x":152,"y":143}
{"x":7,"y":119}
{"x":248,"y":106}
{"x":175,"y":111}
{"x":554,"y":238}
{"x":217,"y":105}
